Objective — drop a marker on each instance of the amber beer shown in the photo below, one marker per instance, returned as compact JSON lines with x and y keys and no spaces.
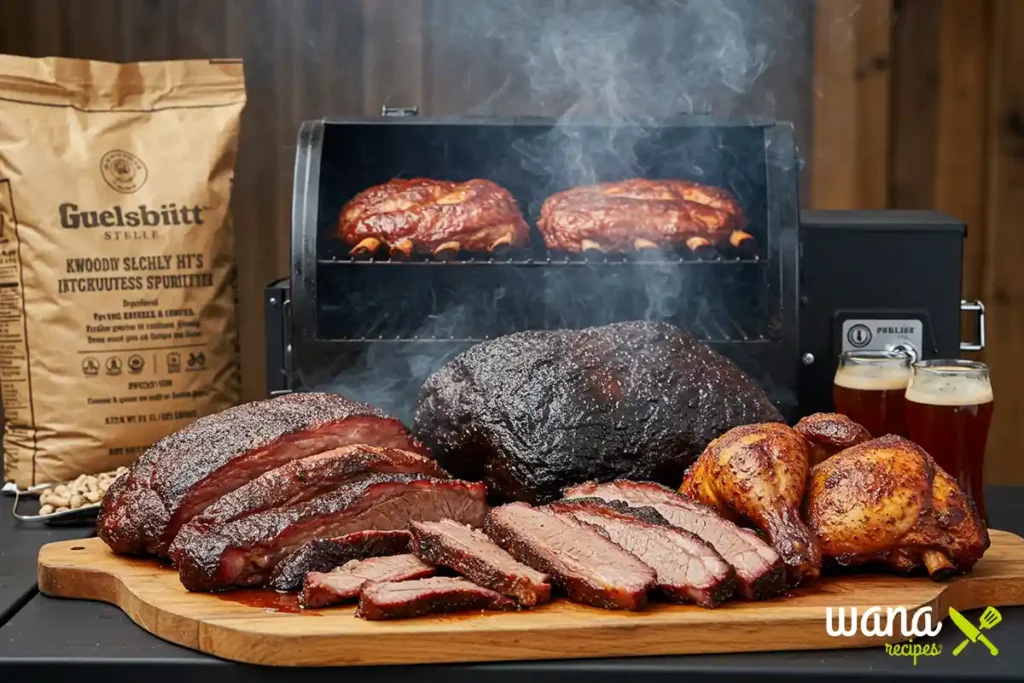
{"x":949,"y":408}
{"x":869,"y":388}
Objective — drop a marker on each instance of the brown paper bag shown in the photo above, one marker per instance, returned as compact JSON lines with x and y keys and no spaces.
{"x":117,"y":303}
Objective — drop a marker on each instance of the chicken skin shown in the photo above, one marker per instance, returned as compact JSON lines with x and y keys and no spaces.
{"x":886,"y":501}
{"x":757,"y":474}
{"x":830,"y":433}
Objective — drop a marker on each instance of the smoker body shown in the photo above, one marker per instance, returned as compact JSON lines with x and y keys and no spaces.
{"x":375,"y":329}
{"x":879,"y":280}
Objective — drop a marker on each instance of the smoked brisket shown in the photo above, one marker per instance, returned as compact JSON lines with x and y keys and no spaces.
{"x":184,"y":473}
{"x":580,"y":559}
{"x":324,"y":554}
{"x":301,"y":480}
{"x":405,"y":599}
{"x":760,"y":572}
{"x":472,"y":554}
{"x":533,"y":412}
{"x":245,"y":552}
{"x":320,"y":589}
{"x":689,"y":570}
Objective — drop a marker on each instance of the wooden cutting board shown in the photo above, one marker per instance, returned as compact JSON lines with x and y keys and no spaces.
{"x":224,"y":625}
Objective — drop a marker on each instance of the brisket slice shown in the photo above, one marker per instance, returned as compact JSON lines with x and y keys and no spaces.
{"x":182,"y":474}
{"x":405,"y":599}
{"x":321,"y":589}
{"x":472,"y":554}
{"x":581,"y":559}
{"x":533,"y":412}
{"x":324,"y":554}
{"x":689,"y":570}
{"x":301,"y":480}
{"x":246,"y":551}
{"x":760,"y":572}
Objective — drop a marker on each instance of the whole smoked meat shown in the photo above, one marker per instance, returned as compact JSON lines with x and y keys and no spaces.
{"x":533,"y":412}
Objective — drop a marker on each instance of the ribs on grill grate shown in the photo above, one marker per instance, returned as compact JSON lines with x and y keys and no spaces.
{"x":435,"y":217}
{"x":641,"y":214}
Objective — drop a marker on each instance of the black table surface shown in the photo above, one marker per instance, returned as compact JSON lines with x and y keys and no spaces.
{"x":47,"y":638}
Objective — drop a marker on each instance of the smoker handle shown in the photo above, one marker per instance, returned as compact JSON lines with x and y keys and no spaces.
{"x":974,"y":306}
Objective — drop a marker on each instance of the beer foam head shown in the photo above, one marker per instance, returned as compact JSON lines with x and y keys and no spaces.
{"x":882,"y":376}
{"x":949,"y":386}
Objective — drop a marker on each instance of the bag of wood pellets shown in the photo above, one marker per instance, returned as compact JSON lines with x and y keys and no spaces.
{"x":117,"y":302}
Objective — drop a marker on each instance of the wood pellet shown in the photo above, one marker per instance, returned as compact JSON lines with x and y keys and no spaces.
{"x":88,"y":489}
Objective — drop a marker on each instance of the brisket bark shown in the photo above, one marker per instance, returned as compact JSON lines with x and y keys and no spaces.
{"x":533,"y":412}
{"x":472,"y":554}
{"x":301,"y":480}
{"x":182,"y":474}
{"x":324,"y":554}
{"x":689,"y":570}
{"x":321,"y":589}
{"x":245,"y":552}
{"x":580,"y":558}
{"x":406,"y":599}
{"x":760,"y":572}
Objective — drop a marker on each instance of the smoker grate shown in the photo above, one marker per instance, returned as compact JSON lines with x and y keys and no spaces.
{"x":711,"y":328}
{"x":715,"y":258}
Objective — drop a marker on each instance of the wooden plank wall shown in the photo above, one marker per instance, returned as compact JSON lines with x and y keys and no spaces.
{"x":305,"y":59}
{"x":920,"y":104}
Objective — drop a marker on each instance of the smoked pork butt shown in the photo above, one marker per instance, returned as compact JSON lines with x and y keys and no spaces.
{"x":184,"y":473}
{"x":534,"y":412}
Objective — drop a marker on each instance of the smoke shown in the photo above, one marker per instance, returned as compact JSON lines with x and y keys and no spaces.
{"x":612,"y":73}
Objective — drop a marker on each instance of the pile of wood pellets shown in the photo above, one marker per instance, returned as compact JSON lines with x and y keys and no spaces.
{"x":88,"y":489}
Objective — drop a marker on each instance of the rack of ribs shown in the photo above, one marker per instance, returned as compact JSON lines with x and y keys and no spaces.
{"x":641,"y":214}
{"x":439,"y":218}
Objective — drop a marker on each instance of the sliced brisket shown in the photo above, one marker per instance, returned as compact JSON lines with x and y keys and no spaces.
{"x":580,"y":558}
{"x":245,"y":552}
{"x":472,"y":554}
{"x":760,"y":571}
{"x":301,"y":480}
{"x":689,"y":570}
{"x":406,"y":599}
{"x":182,"y":474}
{"x":324,"y":554}
{"x":321,"y":589}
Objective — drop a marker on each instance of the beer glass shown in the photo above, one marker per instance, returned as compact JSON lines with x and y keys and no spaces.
{"x":869,"y":388}
{"x":949,"y":408}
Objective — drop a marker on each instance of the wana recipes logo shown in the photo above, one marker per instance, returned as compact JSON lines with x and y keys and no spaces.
{"x":896,"y":621}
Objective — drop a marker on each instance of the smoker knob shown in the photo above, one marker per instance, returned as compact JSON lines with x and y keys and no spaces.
{"x":807,"y":359}
{"x":907,"y":349}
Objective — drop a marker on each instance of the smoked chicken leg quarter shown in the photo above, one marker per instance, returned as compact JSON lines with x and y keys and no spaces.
{"x":885,"y":501}
{"x":534,"y":412}
{"x":757,"y":473}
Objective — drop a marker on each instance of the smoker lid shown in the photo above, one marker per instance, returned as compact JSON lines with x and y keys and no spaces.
{"x":898,"y":220}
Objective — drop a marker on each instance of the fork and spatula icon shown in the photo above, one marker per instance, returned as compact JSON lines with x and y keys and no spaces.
{"x":989,"y":618}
